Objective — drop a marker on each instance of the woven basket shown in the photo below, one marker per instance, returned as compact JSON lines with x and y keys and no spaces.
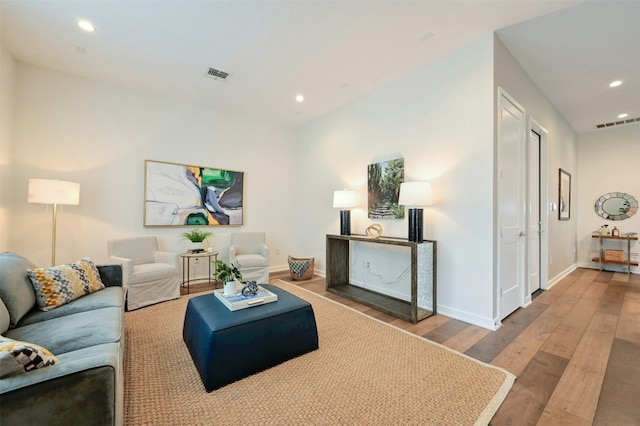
{"x":301,"y":268}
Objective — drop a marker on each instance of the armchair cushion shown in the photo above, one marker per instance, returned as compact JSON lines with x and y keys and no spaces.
{"x":251,"y":260}
{"x":59,"y":285}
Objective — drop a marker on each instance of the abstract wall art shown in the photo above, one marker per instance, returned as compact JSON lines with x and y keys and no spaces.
{"x":185,"y":195}
{"x":383,"y":182}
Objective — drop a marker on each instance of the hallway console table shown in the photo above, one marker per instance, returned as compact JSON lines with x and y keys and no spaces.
{"x":626,"y":261}
{"x":422,"y":302}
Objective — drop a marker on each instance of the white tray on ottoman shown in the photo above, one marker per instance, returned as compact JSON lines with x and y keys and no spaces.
{"x":238,"y":301}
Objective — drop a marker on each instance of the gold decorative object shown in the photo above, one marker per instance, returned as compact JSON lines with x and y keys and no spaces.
{"x":374,"y":230}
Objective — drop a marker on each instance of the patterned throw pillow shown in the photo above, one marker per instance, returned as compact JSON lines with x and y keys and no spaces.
{"x":18,"y":357}
{"x":58,"y":285}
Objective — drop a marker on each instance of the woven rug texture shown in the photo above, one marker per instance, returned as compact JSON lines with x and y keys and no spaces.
{"x":365,"y":373}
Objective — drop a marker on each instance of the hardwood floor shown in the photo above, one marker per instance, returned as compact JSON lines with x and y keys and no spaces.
{"x":575,"y":350}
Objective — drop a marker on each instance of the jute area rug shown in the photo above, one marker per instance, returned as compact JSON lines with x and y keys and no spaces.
{"x":365,"y":373}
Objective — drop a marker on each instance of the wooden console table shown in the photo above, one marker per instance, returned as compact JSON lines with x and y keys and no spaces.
{"x":631,"y":236}
{"x":423,"y":277}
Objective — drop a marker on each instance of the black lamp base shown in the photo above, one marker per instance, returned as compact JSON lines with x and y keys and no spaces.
{"x":345,"y":222}
{"x":415,"y":225}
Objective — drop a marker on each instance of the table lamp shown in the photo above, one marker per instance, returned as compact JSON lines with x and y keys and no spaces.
{"x":48,"y":191}
{"x":415,"y":194}
{"x":344,"y":200}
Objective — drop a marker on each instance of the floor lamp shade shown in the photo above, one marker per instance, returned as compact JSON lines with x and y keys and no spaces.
{"x":48,"y":191}
{"x":415,"y":194}
{"x":344,"y":200}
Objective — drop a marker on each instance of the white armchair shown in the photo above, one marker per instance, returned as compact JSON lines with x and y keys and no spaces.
{"x":249,"y":251}
{"x":149,"y":276}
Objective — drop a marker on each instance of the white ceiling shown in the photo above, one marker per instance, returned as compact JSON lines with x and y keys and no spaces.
{"x":332,"y":52}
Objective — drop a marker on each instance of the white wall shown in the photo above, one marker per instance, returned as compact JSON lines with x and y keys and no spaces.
{"x":608,"y":161}
{"x":99,"y":135}
{"x":440,"y":120}
{"x":7,"y":96}
{"x":562,"y":153}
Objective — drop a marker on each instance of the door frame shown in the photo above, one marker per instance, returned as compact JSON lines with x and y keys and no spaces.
{"x":544,"y":204}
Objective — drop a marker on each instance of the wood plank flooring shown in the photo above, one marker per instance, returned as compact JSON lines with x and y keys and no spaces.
{"x":575,"y":350}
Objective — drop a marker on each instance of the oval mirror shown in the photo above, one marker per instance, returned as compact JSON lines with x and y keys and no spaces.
{"x":616,"y":206}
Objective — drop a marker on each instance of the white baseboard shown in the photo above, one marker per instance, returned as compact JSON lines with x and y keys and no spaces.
{"x":553,"y":281}
{"x":457,"y":314}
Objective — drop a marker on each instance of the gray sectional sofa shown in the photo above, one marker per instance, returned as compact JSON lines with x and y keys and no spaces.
{"x":87,"y":337}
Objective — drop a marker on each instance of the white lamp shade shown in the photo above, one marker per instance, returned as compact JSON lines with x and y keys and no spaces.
{"x":48,"y":191}
{"x":344,"y":199}
{"x":415,"y":194}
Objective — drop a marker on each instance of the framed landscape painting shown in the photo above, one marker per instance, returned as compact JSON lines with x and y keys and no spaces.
{"x":383,"y":187}
{"x":186,"y":195}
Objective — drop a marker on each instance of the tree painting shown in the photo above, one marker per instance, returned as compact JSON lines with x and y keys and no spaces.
{"x":384,"y":181}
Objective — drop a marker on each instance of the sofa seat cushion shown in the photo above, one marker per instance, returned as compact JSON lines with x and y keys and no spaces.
{"x":251,"y":260}
{"x":58,"y":285}
{"x":73,"y":332}
{"x":16,"y":290}
{"x":106,"y":354}
{"x":105,"y":298}
{"x":151,"y":271}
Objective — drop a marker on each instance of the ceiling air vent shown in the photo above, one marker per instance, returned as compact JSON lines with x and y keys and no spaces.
{"x":218,"y":75}
{"x":617,"y":123}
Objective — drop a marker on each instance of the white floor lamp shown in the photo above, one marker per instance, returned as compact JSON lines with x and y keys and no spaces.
{"x":48,"y":191}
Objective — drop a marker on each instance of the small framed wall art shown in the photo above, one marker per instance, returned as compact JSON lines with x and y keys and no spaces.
{"x":383,"y":181}
{"x":187,"y":195}
{"x":564,"y":195}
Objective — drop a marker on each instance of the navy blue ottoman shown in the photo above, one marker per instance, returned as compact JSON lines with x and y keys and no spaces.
{"x":227,"y":346}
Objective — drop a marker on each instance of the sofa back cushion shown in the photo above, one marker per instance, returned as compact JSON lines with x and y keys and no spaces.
{"x":58,"y":285}
{"x":139,"y":249}
{"x":5,"y":319}
{"x":16,"y":290}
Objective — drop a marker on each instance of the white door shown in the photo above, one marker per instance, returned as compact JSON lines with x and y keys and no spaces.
{"x":511,"y":204}
{"x":534,"y":220}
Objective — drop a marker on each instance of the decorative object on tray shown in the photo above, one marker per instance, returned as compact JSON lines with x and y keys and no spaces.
{"x":229,"y":274}
{"x":250,"y":288}
{"x":301,"y":268}
{"x":239,"y":301}
{"x":374,"y":230}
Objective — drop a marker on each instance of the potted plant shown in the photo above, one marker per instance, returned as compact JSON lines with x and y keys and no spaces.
{"x":229,"y":274}
{"x":196,"y":235}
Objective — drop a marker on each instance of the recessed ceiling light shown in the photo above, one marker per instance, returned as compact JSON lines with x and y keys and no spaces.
{"x":615,"y":83}
{"x":299,"y":98}
{"x":623,"y":115}
{"x":86,"y":25}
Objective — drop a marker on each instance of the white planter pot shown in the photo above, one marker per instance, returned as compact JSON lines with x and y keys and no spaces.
{"x":230,"y":288}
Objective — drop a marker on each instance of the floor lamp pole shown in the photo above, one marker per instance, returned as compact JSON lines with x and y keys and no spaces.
{"x":53,"y":235}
